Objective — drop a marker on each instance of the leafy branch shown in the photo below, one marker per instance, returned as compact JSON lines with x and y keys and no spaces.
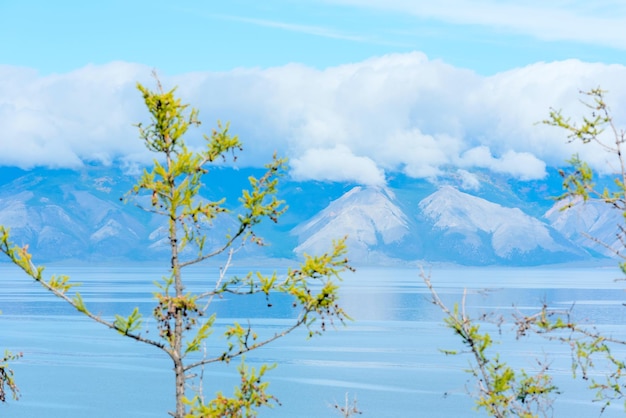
{"x":7,"y":379}
{"x":501,"y":391}
{"x":60,"y":287}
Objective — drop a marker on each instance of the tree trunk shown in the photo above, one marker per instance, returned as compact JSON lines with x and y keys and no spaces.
{"x":180,"y":388}
{"x":177,"y":338}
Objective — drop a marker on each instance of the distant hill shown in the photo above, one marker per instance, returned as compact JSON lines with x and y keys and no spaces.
{"x":80,"y":215}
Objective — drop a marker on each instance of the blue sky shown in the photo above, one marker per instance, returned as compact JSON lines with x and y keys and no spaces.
{"x":200,"y":35}
{"x":348,"y":89}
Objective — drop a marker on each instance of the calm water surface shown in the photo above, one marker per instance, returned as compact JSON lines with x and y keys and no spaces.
{"x":387,"y":357}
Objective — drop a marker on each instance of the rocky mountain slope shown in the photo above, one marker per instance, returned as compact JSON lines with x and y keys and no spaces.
{"x":375,"y":226}
{"x":588,"y":224}
{"x":481,"y":232}
{"x":64,"y":214}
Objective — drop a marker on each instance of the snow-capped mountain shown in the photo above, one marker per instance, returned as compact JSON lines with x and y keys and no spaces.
{"x":367,"y":216}
{"x":71,"y":218}
{"x":482,"y":232}
{"x":583,"y":220}
{"x":447,"y":225}
{"x":64,"y":214}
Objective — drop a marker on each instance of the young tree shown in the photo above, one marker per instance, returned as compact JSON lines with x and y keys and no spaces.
{"x":501,"y":391}
{"x":590,"y":346}
{"x":186,"y":319}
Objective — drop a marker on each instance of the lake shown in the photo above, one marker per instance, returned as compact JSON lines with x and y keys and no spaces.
{"x":388,"y":357}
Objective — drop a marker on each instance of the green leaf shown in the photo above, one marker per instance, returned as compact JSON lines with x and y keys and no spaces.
{"x":202,"y":334}
{"x":125,"y":325}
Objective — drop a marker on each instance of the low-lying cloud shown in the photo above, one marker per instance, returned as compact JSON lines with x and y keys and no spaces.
{"x":337,"y":164}
{"x":354,"y":122}
{"x":522,"y":165}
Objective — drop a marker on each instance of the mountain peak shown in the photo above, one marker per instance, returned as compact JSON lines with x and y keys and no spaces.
{"x":507,"y":233}
{"x":65,"y":214}
{"x":449,"y":207}
{"x":367,"y":216}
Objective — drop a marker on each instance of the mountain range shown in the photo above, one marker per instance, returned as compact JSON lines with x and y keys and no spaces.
{"x":82,"y":215}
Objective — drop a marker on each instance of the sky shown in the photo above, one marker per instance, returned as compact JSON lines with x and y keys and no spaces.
{"x":349,"y":90}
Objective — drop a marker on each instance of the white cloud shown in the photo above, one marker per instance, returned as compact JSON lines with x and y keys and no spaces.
{"x":600,"y":22}
{"x":522,"y":165}
{"x":337,"y":164}
{"x":416,"y":154}
{"x":469,"y":181}
{"x":308,"y":29}
{"x":355,"y":122}
{"x":63,"y":119}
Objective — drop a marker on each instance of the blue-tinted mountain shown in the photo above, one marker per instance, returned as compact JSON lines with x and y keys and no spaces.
{"x":81,"y":215}
{"x":378,"y":230}
{"x":477,"y":231}
{"x":592,"y":224}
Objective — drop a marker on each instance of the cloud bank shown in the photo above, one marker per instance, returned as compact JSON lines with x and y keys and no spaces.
{"x":354,"y":122}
